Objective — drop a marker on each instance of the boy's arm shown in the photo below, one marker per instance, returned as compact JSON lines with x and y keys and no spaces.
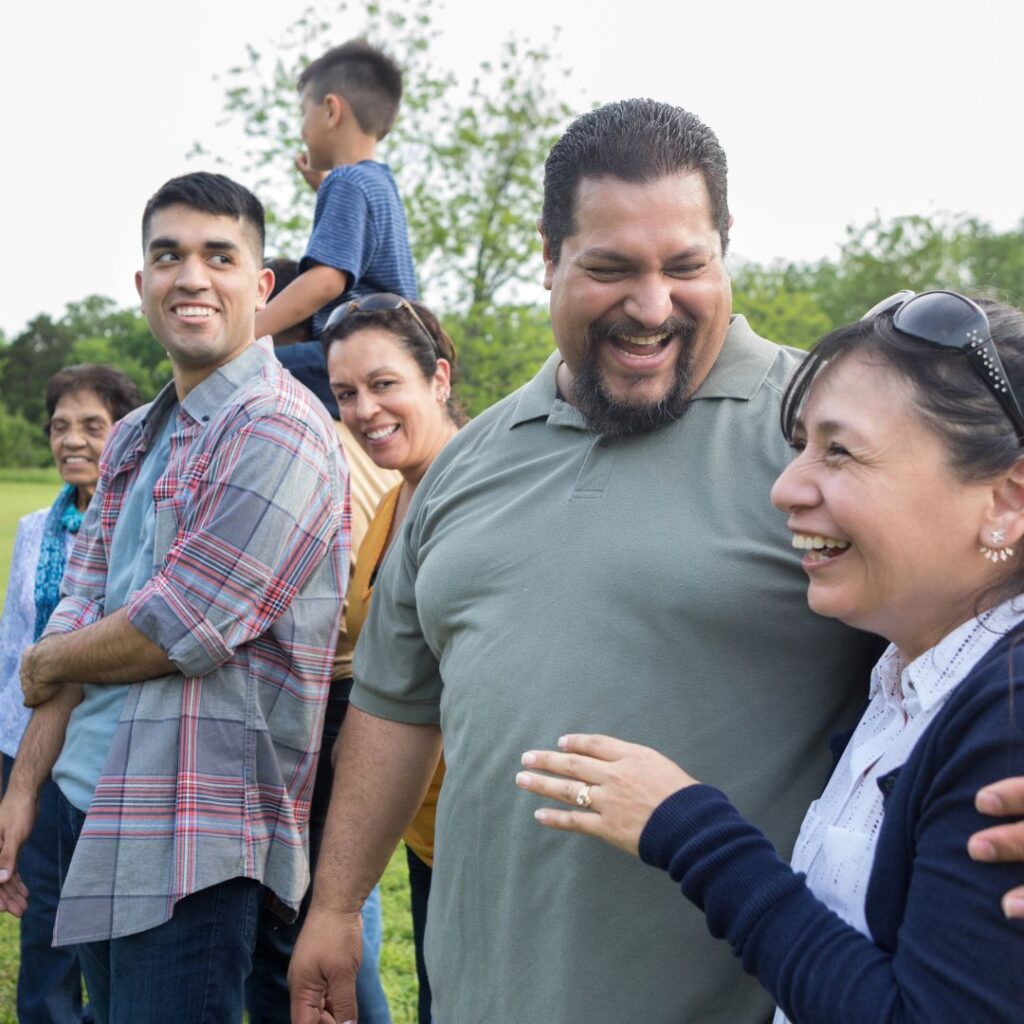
{"x":310,"y":291}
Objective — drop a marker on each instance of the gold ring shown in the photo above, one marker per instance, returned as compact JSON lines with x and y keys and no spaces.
{"x":583,"y":796}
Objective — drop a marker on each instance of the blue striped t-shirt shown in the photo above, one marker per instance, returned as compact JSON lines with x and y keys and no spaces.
{"x":359,"y":227}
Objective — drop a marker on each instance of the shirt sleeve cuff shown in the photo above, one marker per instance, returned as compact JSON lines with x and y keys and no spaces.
{"x":678,"y":817}
{"x":73,"y":613}
{"x":408,"y":712}
{"x":160,"y":613}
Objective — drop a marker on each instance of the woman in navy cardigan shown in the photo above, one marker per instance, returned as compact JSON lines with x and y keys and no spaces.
{"x":905,"y":497}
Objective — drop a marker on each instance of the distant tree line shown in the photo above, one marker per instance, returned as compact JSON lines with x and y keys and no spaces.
{"x":502,"y":344}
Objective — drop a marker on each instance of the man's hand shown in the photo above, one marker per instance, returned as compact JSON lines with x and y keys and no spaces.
{"x":17,"y":816}
{"x":322,"y":975}
{"x":314,"y":179}
{"x":1002,"y":842}
{"x":36,"y":687}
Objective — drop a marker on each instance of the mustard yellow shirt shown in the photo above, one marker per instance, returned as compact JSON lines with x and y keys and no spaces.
{"x":419,"y":836}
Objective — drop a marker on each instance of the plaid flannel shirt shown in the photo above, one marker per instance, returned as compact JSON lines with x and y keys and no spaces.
{"x":211,"y":770}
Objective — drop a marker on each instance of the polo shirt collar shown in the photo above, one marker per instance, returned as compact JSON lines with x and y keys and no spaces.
{"x":538,"y":399}
{"x":739,"y":371}
{"x":741,"y":367}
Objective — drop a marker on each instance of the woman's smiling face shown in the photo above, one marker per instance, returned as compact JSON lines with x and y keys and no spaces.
{"x":79,"y":427}
{"x":891,"y":533}
{"x":398,"y":415}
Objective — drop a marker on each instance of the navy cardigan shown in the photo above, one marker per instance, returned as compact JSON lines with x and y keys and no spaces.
{"x":942,"y":949}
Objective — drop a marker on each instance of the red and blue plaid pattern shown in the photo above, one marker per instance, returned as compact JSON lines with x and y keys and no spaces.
{"x":210,"y":773}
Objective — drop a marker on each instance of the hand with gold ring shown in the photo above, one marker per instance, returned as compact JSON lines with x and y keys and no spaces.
{"x":615,"y":785}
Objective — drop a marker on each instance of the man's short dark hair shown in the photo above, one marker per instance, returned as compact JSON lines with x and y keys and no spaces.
{"x":367,"y":79}
{"x":285,"y":271}
{"x":209,"y":193}
{"x":638,"y":141}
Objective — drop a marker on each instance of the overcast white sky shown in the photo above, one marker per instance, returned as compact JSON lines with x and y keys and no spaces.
{"x":829,"y":112}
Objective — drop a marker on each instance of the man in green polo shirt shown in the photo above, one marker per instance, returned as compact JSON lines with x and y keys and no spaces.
{"x":594,"y":553}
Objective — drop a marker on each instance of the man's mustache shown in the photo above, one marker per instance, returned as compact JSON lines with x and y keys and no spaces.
{"x":625,"y":328}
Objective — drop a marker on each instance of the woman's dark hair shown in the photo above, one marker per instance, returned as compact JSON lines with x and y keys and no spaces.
{"x":946,"y":392}
{"x":425,"y":350}
{"x":116,"y":390}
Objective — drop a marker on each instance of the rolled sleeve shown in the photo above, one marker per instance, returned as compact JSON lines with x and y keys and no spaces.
{"x":253,"y":530}
{"x":83,"y":588}
{"x":73,"y":613}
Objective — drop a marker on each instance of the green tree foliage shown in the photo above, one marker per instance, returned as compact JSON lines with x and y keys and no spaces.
{"x":21,"y":443}
{"x":795,"y":303}
{"x":121,"y":337}
{"x":91,"y":331}
{"x":498,"y":351}
{"x":30,"y":360}
{"x":779,"y":303}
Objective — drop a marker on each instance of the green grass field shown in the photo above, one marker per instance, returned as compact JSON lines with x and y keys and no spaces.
{"x":24,"y":490}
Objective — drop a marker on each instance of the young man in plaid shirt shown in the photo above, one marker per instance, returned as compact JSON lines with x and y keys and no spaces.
{"x":180,"y":684}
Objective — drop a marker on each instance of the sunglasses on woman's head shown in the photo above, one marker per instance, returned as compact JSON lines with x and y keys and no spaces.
{"x":950,"y":320}
{"x":378,"y":302}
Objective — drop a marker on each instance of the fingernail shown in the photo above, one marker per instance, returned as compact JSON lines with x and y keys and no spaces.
{"x":529,"y":758}
{"x":541,"y":815}
{"x":4,"y":875}
{"x":989,"y":802}
{"x":563,"y":742}
{"x":522,"y":779}
{"x":1013,"y":906}
{"x":981,"y":849}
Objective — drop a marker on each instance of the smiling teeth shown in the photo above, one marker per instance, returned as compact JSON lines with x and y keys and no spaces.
{"x":815,"y":542}
{"x":377,"y":435}
{"x":646,"y":341}
{"x":194,"y":311}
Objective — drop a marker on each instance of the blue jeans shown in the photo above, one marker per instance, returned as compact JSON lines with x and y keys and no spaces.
{"x":49,"y":980}
{"x":266,"y":991}
{"x":188,"y":970}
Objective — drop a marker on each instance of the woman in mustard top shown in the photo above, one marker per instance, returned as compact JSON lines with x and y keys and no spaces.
{"x":390,"y":365}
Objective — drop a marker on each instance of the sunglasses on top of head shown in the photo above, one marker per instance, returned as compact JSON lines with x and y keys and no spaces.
{"x":949,"y":320}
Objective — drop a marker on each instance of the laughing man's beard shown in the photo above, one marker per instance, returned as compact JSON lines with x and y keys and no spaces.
{"x":616,"y":417}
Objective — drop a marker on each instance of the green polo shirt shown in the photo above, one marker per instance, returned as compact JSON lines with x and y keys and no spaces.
{"x":549,"y":580}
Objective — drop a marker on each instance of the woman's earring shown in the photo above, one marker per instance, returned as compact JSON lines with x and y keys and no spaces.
{"x":997,"y":553}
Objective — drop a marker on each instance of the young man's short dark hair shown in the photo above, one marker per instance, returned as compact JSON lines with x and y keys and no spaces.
{"x":209,"y":193}
{"x":365,"y":77}
{"x":634,"y":140}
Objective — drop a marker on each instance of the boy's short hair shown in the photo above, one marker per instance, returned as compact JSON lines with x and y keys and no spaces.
{"x":210,"y":193}
{"x":367,"y":79}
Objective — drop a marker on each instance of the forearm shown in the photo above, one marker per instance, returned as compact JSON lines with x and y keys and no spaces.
{"x":42,"y":743}
{"x":382,"y":774}
{"x":111,"y":650}
{"x":310,"y":291}
{"x":819,"y":968}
